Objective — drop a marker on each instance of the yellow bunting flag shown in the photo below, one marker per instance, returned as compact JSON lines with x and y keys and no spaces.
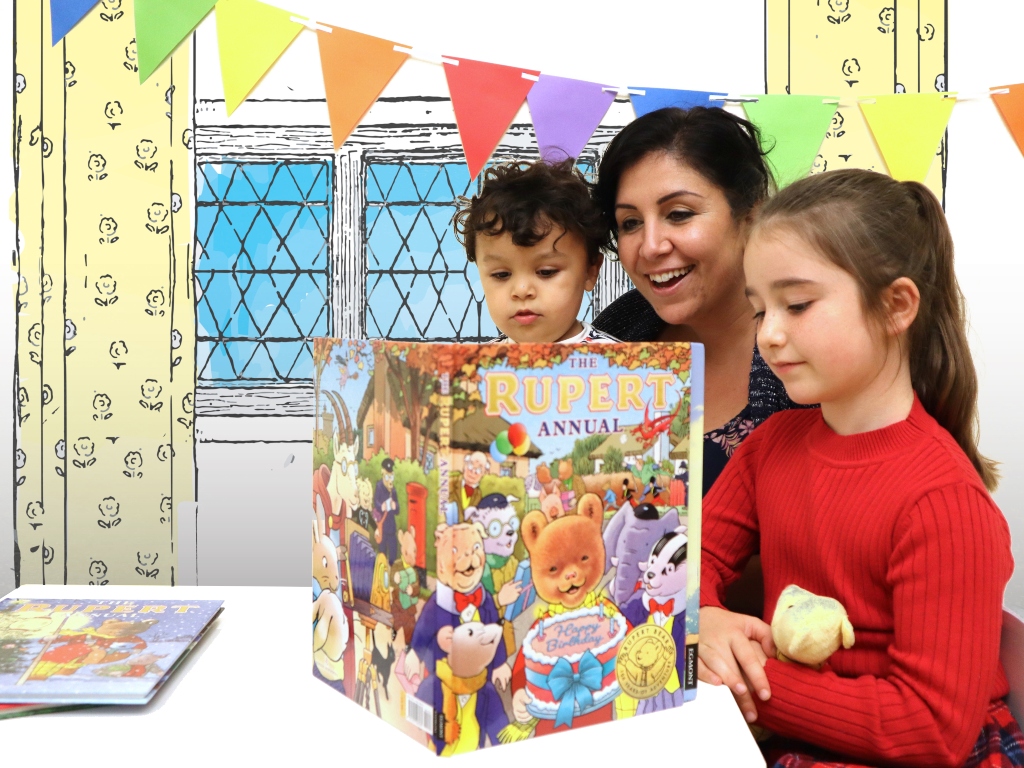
{"x":1011,"y":107}
{"x":251,"y":36}
{"x":356,"y":69}
{"x":908,"y":128}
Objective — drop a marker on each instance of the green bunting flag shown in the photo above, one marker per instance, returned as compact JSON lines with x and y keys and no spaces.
{"x":160,"y":25}
{"x":792,"y":129}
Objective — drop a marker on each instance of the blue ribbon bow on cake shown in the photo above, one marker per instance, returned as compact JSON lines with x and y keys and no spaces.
{"x":574,"y":688}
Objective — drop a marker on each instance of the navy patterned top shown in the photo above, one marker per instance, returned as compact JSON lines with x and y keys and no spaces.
{"x":631,"y":318}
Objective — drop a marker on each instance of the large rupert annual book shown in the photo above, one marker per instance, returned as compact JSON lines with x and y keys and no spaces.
{"x":506,"y":538}
{"x":57,"y":655}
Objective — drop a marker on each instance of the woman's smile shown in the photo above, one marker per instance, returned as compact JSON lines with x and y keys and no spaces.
{"x":664,"y":282}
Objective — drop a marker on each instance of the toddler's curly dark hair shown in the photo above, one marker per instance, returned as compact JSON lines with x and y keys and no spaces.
{"x":528,"y":200}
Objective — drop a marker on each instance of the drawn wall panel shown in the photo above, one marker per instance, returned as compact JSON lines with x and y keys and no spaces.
{"x":856,"y":50}
{"x":105,"y":363}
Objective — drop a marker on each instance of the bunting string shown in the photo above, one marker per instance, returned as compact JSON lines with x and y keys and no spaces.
{"x":356,"y":68}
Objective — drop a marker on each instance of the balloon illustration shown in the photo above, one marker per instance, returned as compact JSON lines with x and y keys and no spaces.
{"x":501,"y":442}
{"x":514,"y":440}
{"x":497,"y":455}
{"x":517,"y":434}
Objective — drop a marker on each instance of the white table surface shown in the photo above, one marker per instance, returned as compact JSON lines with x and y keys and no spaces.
{"x":247,"y":693}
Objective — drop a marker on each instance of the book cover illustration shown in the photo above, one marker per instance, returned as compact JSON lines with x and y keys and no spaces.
{"x":94,"y":652}
{"x":504,"y":543}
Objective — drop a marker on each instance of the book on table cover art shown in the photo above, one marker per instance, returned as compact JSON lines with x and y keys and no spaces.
{"x":94,"y":651}
{"x":504,"y":540}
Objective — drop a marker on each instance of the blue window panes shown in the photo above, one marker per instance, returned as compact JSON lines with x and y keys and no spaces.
{"x":228,"y":229}
{"x":263,"y":247}
{"x":313,"y":180}
{"x":261,"y":243}
{"x":213,"y":182}
{"x":379,"y":178}
{"x":423,"y":242}
{"x":431,"y":183}
{"x":240,"y":188}
{"x":308,"y":239}
{"x":458,"y":177}
{"x":403,"y":189}
{"x":254,"y":366}
{"x":307,"y":303}
{"x":218,"y":365}
{"x":283,"y":187}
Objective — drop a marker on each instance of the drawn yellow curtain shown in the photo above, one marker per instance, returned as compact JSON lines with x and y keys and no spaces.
{"x":106,"y":331}
{"x":854,"y":50}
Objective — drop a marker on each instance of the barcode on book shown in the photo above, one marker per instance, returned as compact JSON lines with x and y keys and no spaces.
{"x":419,"y":714}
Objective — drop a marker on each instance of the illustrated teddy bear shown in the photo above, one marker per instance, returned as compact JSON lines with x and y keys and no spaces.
{"x":567,"y":559}
{"x":809,"y":628}
{"x":471,"y":706}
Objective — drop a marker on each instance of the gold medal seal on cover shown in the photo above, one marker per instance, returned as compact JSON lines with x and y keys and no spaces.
{"x":645,"y":661}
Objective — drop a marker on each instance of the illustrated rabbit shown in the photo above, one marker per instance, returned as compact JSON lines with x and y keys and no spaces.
{"x":330,"y":626}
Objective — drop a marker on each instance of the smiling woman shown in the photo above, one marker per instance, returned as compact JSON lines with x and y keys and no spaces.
{"x":678,"y":189}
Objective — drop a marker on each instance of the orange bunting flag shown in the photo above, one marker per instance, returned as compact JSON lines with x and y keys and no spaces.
{"x":1011,"y":107}
{"x":908,"y":128}
{"x":485,"y":98}
{"x":356,"y":69}
{"x":251,"y":36}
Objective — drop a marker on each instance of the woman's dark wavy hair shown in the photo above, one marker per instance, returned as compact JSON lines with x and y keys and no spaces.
{"x":528,"y":200}
{"x":723,"y":148}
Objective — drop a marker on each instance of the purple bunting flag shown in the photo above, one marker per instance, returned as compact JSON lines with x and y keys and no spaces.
{"x":659,"y":98}
{"x":64,"y":14}
{"x":565,"y":113}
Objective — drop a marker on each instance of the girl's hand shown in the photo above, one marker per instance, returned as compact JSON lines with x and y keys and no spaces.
{"x":733,"y":649}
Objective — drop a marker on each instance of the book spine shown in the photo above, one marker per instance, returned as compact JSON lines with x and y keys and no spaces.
{"x":444,"y":457}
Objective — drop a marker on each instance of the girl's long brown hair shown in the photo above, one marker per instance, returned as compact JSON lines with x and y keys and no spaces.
{"x":879,"y":230}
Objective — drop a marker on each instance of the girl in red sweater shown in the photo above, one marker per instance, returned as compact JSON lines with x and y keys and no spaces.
{"x":880,"y":499}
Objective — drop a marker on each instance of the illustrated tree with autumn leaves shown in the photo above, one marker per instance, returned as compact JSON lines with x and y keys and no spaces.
{"x":413,"y":371}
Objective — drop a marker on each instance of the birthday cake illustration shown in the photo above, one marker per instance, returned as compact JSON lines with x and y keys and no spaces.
{"x":570,"y":662}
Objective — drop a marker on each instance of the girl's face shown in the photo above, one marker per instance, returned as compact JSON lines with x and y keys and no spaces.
{"x":811,"y":326}
{"x":678,"y":240}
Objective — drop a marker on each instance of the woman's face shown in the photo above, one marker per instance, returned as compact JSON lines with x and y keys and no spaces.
{"x":678,"y":241}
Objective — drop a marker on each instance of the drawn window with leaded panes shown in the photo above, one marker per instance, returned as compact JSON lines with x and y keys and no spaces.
{"x":263,"y":264}
{"x":419,"y":284}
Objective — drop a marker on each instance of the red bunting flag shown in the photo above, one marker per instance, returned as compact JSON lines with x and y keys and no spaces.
{"x":485,"y":98}
{"x":356,"y":69}
{"x":1011,"y":107}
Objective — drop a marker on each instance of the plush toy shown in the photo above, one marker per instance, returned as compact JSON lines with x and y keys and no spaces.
{"x":808,"y":628}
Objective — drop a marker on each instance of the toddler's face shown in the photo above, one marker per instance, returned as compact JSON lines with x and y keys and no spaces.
{"x":811,"y":330}
{"x":534,"y":293}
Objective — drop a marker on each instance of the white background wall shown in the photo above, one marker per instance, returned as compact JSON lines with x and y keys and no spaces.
{"x":688,"y":44}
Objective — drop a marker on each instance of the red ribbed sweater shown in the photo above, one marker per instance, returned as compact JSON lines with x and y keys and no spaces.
{"x":897,"y":526}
